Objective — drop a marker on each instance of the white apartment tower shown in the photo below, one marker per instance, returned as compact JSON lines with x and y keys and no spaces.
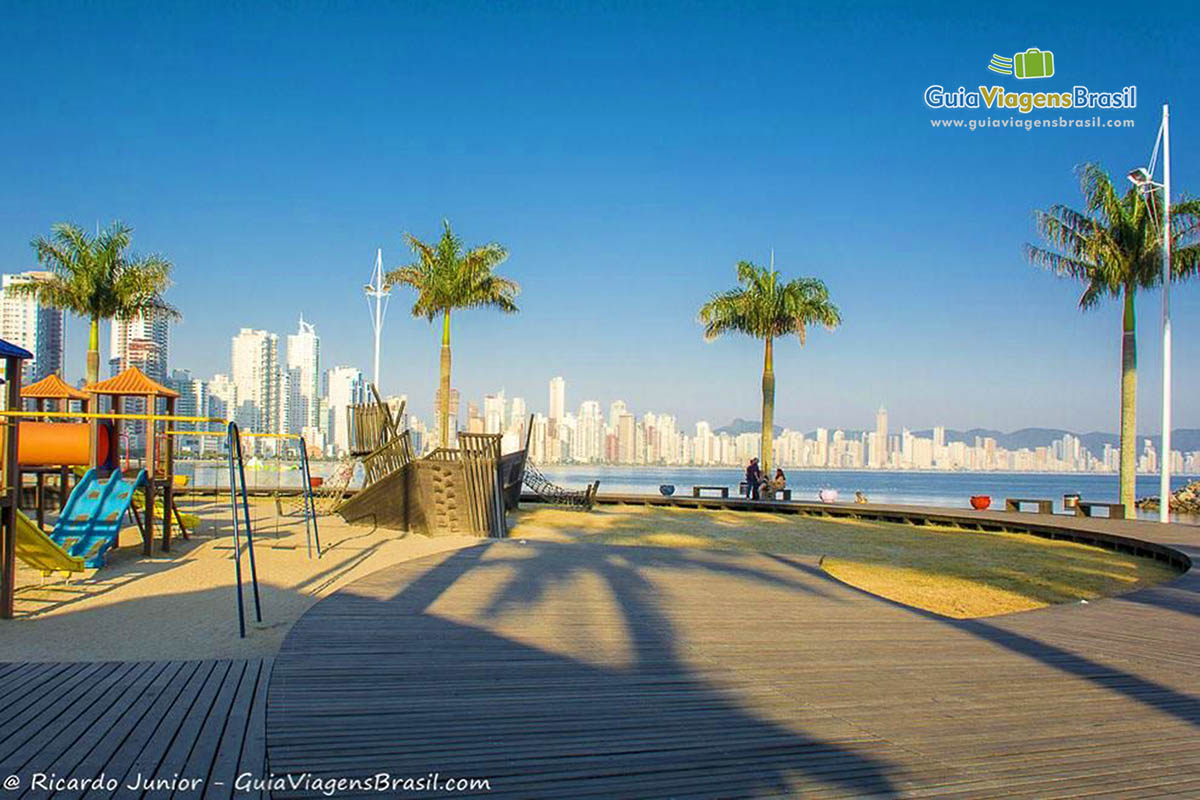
{"x":345,"y":387}
{"x":304,"y":378}
{"x":256,"y":376}
{"x":26,"y":322}
{"x":140,"y":341}
{"x":558,"y":398}
{"x":493,"y":413}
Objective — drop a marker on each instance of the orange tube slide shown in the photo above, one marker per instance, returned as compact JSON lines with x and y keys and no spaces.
{"x":46,"y":444}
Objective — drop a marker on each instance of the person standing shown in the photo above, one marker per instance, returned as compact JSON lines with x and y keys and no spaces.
{"x":753,"y":479}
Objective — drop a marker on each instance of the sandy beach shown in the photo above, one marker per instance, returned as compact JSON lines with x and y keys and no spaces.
{"x":182,"y":604}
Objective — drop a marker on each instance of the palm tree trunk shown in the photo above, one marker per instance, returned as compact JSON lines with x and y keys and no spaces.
{"x":1128,"y":472}
{"x":444,"y":391}
{"x":93,"y":353}
{"x":768,"y":408}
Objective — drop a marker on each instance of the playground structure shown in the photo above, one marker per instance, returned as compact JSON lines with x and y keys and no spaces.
{"x":552,"y":493}
{"x":90,"y":522}
{"x":463,"y":491}
{"x":50,"y":449}
{"x":305,"y":498}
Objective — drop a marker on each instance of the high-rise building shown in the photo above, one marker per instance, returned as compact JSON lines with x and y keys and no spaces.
{"x":193,"y":402}
{"x":474,"y":419}
{"x":493,"y":413}
{"x":879,"y":441}
{"x":304,"y":378}
{"x":24,"y":321}
{"x":558,"y":398}
{"x":614,"y":414}
{"x":222,"y":397}
{"x":704,"y":444}
{"x":589,"y":439}
{"x":626,"y":439}
{"x":141,"y":341}
{"x":345,"y":387}
{"x":452,"y":426}
{"x":256,"y":376}
{"x":518,"y":418}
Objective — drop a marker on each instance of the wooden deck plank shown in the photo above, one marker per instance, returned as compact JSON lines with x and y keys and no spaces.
{"x":139,"y":715}
{"x":19,"y":747}
{"x":47,"y":693}
{"x":137,"y":752}
{"x":700,"y":673}
{"x":144,"y":720}
{"x":62,"y":754}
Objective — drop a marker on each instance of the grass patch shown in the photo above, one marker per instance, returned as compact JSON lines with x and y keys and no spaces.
{"x":948,"y":571}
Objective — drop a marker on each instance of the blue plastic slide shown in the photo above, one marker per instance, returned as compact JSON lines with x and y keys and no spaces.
{"x":89,"y":524}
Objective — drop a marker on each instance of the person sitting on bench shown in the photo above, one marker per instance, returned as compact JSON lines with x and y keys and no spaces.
{"x":775,"y":485}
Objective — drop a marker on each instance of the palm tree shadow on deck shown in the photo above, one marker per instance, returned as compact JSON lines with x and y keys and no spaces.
{"x":458,"y":698}
{"x":1152,"y":694}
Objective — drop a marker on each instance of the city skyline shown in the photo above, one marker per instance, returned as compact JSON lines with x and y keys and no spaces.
{"x":623,"y":210}
{"x":291,"y":392}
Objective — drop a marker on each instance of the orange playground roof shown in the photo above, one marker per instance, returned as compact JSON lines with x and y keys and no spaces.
{"x":52,"y":387}
{"x":131,"y":382}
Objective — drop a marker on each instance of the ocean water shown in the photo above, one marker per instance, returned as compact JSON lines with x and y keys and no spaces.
{"x":946,"y":489}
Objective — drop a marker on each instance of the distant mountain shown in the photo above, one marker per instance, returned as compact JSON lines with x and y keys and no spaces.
{"x":1183,"y":439}
{"x":740,"y":426}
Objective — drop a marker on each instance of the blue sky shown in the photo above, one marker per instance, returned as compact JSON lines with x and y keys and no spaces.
{"x":628,"y":156}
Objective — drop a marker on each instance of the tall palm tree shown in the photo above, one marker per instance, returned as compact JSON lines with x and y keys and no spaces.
{"x":447,"y":277}
{"x":1114,"y":247}
{"x":767,"y":308}
{"x":96,"y":278}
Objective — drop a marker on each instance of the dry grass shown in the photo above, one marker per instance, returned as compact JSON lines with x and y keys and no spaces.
{"x":947,"y":571}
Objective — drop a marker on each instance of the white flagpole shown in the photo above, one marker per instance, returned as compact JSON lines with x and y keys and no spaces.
{"x":1164,"y":513}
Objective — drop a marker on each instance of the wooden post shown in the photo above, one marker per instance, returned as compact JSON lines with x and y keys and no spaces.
{"x":151,"y":450}
{"x":12,"y":478}
{"x":168,"y":478}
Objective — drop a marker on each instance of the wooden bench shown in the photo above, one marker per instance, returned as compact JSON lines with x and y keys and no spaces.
{"x":1083,"y":508}
{"x":724,"y":490}
{"x":1015,"y":503}
{"x":785,"y":494}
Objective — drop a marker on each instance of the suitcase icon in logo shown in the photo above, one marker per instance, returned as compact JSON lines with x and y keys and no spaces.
{"x":1033,"y":63}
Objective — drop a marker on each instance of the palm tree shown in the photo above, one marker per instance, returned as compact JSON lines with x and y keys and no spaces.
{"x":95,"y":278}
{"x":446,"y":277}
{"x":766,"y":308}
{"x":1114,"y":247}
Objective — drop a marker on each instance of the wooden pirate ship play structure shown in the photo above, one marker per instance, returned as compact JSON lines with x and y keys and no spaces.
{"x":465,"y":490}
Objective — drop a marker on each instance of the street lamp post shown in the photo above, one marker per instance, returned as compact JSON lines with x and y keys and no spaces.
{"x":1143,"y":179}
{"x":1164,"y":512}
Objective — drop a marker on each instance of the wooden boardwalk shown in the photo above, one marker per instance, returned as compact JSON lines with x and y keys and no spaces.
{"x":570,"y":670}
{"x":573,"y":670}
{"x":199,"y":720}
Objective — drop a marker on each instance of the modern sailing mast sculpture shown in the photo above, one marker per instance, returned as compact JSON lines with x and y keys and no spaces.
{"x":379,"y":291}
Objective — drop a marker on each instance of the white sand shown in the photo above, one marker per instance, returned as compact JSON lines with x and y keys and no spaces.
{"x":182,"y":604}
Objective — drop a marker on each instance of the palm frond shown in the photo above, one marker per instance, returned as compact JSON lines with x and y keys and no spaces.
{"x":95,"y":277}
{"x":765,"y":307}
{"x":447,"y":278}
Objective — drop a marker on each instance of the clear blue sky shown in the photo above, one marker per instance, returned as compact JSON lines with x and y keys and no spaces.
{"x":628,"y":156}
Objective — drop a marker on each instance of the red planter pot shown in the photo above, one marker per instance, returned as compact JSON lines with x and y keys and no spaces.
{"x":980,"y":502}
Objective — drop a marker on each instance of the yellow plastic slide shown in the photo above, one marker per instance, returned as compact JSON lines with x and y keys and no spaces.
{"x":40,"y":552}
